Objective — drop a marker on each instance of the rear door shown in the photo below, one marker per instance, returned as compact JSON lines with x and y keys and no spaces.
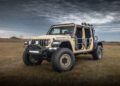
{"x":88,"y":42}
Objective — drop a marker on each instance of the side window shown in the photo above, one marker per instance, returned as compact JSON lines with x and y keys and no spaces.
{"x":87,"y":33}
{"x":55,"y":31}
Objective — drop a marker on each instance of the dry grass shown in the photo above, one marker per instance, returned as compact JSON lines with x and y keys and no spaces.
{"x":86,"y":71}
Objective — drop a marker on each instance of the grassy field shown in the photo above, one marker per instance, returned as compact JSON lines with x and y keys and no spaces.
{"x":86,"y":72}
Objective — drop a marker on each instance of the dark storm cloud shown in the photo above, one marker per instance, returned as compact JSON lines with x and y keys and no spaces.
{"x":13,"y":17}
{"x":92,"y":11}
{"x":36,"y":15}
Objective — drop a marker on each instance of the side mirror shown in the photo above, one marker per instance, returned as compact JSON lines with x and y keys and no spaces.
{"x":96,"y":38}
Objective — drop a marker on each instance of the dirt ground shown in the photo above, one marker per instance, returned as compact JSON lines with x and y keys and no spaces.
{"x":86,"y":72}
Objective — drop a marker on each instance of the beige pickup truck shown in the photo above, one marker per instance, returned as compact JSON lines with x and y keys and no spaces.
{"x":61,"y":44}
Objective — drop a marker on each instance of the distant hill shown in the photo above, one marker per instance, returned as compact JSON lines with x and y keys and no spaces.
{"x":13,"y":37}
{"x":111,"y":42}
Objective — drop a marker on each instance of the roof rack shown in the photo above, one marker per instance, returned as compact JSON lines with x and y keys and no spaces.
{"x":73,"y":24}
{"x":64,"y":24}
{"x":86,"y":24}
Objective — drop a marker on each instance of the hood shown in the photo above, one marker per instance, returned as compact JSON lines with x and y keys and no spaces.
{"x":58,"y":37}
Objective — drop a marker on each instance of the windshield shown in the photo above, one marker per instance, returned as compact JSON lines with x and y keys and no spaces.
{"x":61,"y":30}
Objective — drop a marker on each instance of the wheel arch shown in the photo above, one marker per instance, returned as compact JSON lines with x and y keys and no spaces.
{"x":66,"y":44}
{"x":100,"y":44}
{"x":96,"y":44}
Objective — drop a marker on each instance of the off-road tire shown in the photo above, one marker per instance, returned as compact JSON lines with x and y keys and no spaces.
{"x":27,"y":60}
{"x":58,"y":57}
{"x":98,"y":53}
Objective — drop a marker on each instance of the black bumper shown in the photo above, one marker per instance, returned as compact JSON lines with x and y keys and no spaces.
{"x":40,"y":51}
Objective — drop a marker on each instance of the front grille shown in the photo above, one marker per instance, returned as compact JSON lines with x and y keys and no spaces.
{"x":42,"y":42}
{"x":33,"y":47}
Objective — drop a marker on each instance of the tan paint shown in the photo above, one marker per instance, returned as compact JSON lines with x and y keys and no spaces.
{"x":67,"y":38}
{"x":83,"y":47}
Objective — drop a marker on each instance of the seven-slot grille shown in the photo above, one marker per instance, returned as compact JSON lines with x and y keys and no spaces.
{"x":42,"y":42}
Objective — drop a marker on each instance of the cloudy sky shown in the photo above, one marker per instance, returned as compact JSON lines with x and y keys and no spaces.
{"x":33,"y":17}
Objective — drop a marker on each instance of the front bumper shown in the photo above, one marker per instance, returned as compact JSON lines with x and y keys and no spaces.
{"x":40,"y":51}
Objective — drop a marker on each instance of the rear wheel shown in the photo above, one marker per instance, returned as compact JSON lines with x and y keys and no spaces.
{"x":29,"y":59}
{"x":98,"y":53}
{"x":63,"y":60}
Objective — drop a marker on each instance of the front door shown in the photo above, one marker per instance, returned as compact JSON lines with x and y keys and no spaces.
{"x":79,"y":38}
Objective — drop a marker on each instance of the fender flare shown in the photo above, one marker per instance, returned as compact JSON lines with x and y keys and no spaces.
{"x":63,"y":43}
{"x":96,"y":44}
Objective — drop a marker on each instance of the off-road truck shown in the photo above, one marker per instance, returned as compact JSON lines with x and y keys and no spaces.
{"x":61,"y":44}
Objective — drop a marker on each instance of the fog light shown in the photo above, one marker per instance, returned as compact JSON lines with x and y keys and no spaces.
{"x":31,"y":51}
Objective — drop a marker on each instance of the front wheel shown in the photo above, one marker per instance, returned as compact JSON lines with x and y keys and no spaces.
{"x":63,"y":60}
{"x":29,"y":59}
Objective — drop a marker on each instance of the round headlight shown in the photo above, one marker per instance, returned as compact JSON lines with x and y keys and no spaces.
{"x":36,"y":42}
